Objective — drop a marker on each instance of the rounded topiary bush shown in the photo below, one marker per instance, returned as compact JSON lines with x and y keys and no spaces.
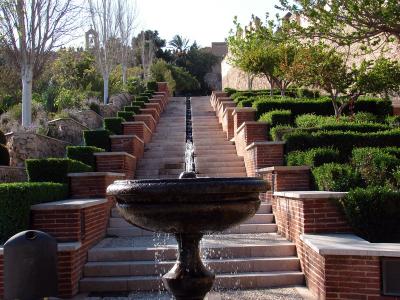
{"x":4,"y":156}
{"x":3,"y":139}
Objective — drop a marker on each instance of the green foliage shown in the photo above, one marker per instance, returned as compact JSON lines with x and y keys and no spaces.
{"x":374,"y":213}
{"x":53,"y":169}
{"x":393,"y":121}
{"x":84,"y":154}
{"x":376,"y":165}
{"x":336,"y":177}
{"x":135,"y":109}
{"x":97,"y":138}
{"x":16,"y":200}
{"x":313,"y":157}
{"x":114,"y":125}
{"x":142,"y":98}
{"x":135,"y":85}
{"x":277,"y":117}
{"x":128,"y":116}
{"x":343,"y":141}
{"x":4,"y":156}
{"x":376,"y":106}
{"x":161,"y":72}
{"x":152,"y":85}
{"x":279,"y":131}
{"x":312,"y":120}
{"x":229,"y":91}
{"x":141,"y":104}
{"x":68,"y":99}
{"x":245,"y":102}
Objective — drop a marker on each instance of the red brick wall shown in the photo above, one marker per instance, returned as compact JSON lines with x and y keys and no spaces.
{"x":262,"y":155}
{"x":227,"y":123}
{"x":241,"y":115}
{"x":118,"y":163}
{"x":131,"y":145}
{"x":138,"y":128}
{"x":148,"y":119}
{"x":1,"y":276}
{"x":159,"y":101}
{"x":396,"y":110}
{"x":91,"y":186}
{"x":156,"y":106}
{"x":163,"y":87}
{"x":297,"y":216}
{"x":248,"y":133}
{"x":240,"y":141}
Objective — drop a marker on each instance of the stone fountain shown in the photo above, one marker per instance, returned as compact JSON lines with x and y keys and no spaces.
{"x":188,"y":207}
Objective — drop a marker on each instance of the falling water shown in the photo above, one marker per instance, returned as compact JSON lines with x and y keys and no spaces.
{"x":189,"y":150}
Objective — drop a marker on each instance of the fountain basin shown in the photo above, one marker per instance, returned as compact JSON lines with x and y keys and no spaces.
{"x":194,"y":205}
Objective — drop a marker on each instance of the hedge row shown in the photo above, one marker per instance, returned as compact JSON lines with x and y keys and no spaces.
{"x":16,"y":200}
{"x":277,"y":117}
{"x":84,"y":154}
{"x":53,"y":169}
{"x":128,"y":116}
{"x":341,"y":140}
{"x":97,"y":138}
{"x":114,"y":125}
{"x":4,"y":154}
{"x":320,"y":106}
{"x":313,"y":157}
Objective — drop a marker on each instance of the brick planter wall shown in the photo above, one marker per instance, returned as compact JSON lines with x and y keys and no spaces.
{"x":140,"y":129}
{"x":118,"y":162}
{"x":91,"y":184}
{"x":87,"y":219}
{"x":214,"y":96}
{"x":296,"y":178}
{"x":248,"y":133}
{"x":1,"y":273}
{"x":148,"y":119}
{"x":260,"y":155}
{"x":240,"y":115}
{"x":131,"y":144}
{"x":156,"y":106}
{"x":227,"y":123}
{"x":149,"y":111}
{"x":158,"y":101}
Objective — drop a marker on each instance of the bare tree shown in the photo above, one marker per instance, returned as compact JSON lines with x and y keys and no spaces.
{"x":147,"y":47}
{"x":126,"y":16}
{"x":30,"y":31}
{"x":104,"y":19}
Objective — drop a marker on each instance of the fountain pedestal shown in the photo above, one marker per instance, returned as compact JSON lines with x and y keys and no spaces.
{"x":189,"y":276}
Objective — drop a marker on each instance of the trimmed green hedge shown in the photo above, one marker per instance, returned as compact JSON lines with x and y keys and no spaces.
{"x":4,"y":156}
{"x":374,"y":213}
{"x":312,"y":120}
{"x":245,"y":102}
{"x":277,"y":117}
{"x":320,"y":106}
{"x":16,"y":200}
{"x":141,"y":104}
{"x":313,"y":157}
{"x":376,"y":165}
{"x":143,"y":98}
{"x":114,"y":125}
{"x":135,"y":109}
{"x":336,"y":177}
{"x":152,"y":86}
{"x":343,"y":141}
{"x":229,"y":91}
{"x":84,"y":154}
{"x":97,"y":138}
{"x":53,"y":169}
{"x":126,"y":115}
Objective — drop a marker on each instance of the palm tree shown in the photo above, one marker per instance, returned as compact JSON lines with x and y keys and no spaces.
{"x":179,"y":44}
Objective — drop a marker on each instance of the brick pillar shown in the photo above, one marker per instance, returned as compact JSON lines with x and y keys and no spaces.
{"x":163,"y":87}
{"x":260,"y":155}
{"x":227,"y":123}
{"x":241,"y":115}
{"x":248,"y":133}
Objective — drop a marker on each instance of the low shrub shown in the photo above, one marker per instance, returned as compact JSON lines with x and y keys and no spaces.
{"x":114,"y":125}
{"x":126,"y":115}
{"x":16,"y":200}
{"x":343,"y":141}
{"x":4,"y":156}
{"x":229,"y":91}
{"x":97,"y":138}
{"x":312,"y":120}
{"x":247,"y":102}
{"x":375,"y":165}
{"x":374,"y":213}
{"x":84,"y":154}
{"x":135,"y":109}
{"x":53,"y":169}
{"x":152,"y":85}
{"x":277,"y":117}
{"x":393,"y":121}
{"x":278,"y":132}
{"x":336,"y":177}
{"x":377,"y":106}
{"x":3,"y":139}
{"x":144,"y":97}
{"x":313,"y":157}
{"x":138,"y":103}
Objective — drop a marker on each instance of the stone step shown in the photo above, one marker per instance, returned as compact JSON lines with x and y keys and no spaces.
{"x":131,"y":231}
{"x":237,"y":162}
{"x":210,"y":142}
{"x":225,"y":281}
{"x":221,"y":175}
{"x":156,"y":172}
{"x":221,"y":169}
{"x":209,"y":147}
{"x":139,"y":177}
{"x":218,"y":266}
{"x":205,"y":158}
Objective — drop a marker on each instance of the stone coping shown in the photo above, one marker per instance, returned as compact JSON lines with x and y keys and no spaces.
{"x":283,"y":169}
{"x":61,"y":247}
{"x":68,"y":119}
{"x":139,"y":122}
{"x":310,"y":194}
{"x":228,"y":110}
{"x":68,"y":204}
{"x":255,"y":144}
{"x":21,"y":133}
{"x":94,"y":174}
{"x":122,"y":136}
{"x":349,"y":245}
{"x":244,"y":109}
{"x":112,"y":154}
{"x":249,"y":123}
{"x":146,"y":115}
{"x":12,"y":168}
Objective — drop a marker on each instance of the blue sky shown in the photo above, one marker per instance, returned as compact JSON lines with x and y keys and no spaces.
{"x":203,"y":20}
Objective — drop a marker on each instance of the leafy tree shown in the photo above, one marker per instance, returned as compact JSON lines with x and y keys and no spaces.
{"x":179,"y":44}
{"x":346,"y":21}
{"x":326,"y":68}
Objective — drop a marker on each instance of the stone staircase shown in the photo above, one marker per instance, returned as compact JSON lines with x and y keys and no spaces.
{"x":214,"y":155}
{"x":251,"y":255}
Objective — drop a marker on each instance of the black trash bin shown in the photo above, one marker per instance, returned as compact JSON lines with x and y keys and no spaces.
{"x":30,"y":266}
